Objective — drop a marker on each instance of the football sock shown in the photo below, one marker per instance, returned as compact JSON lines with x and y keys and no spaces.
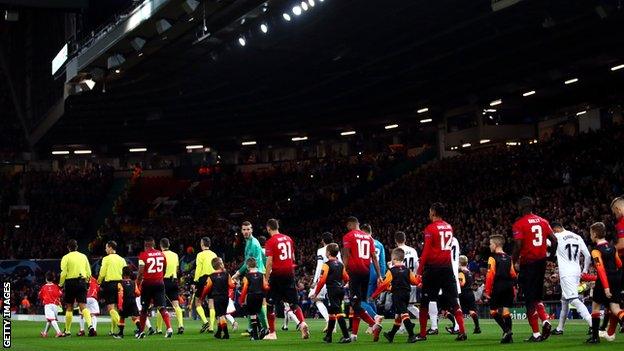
{"x":230,"y":319}
{"x":605,"y":319}
{"x":595,"y":324}
{"x":286,"y":317}
{"x":320,"y":306}
{"x":451,"y":318}
{"x":255,"y":327}
{"x":142,"y":321}
{"x":47,"y":327}
{"x":563,"y":315}
{"x":498,"y":318}
{"x":271,"y":318}
{"x":201,"y":314}
{"x":613,"y":323}
{"x":69,"y":315}
{"x":395,"y":326}
{"x":165,"y":317}
{"x":331,"y":324}
{"x":299,"y":314}
{"x":81,"y":322}
{"x":414,"y":310}
{"x":262,"y":316}
{"x":94,"y":321}
{"x":507,"y":320}
{"x":541,"y":311}
{"x":475,"y":318}
{"x":55,"y":326}
{"x":114,"y":315}
{"x":355,"y":325}
{"x":533,"y":322}
{"x":459,"y":317}
{"x":422,"y":319}
{"x":343,"y":326}
{"x":159,"y":322}
{"x":148,"y":324}
{"x":582,"y":310}
{"x":213,"y":316}
{"x":433,"y":314}
{"x":366,"y":318}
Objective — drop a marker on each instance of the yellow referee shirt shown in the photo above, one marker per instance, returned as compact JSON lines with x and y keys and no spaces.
{"x":203,"y":263}
{"x":75,"y":265}
{"x":112,"y":267}
{"x":171,"y":271}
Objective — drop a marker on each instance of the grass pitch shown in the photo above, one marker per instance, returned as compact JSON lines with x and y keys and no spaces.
{"x":25,"y":336}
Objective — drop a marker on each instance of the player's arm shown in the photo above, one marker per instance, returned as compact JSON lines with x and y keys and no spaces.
{"x":346,"y":251}
{"x":103,"y":270}
{"x":269,"y":267}
{"x":489,"y":278}
{"x":376,"y":264}
{"x":207,"y":288}
{"x":243,"y":296}
{"x":319,"y":268}
{"x":518,"y":237}
{"x":553,"y":242}
{"x":120,"y":296}
{"x":199,"y":268}
{"x":462,"y":279}
{"x":602,"y":273}
{"x":139,"y":280}
{"x":382,"y":261}
{"x":414,"y":280}
{"x":322,"y":279}
{"x":425,"y":253}
{"x":383,"y":286}
{"x":345,"y":275}
{"x":618,"y":261}
{"x":63,"y":271}
{"x":586,"y":257}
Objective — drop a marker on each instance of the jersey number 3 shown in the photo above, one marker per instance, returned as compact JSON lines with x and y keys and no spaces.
{"x":538,"y":239}
{"x":155,"y":264}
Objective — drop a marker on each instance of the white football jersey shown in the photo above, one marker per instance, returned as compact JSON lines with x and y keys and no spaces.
{"x":455,"y":260}
{"x":321,"y":258}
{"x":570,"y":247}
{"x":411,"y":258}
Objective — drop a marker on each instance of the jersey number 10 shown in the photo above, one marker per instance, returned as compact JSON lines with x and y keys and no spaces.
{"x":363,"y":249}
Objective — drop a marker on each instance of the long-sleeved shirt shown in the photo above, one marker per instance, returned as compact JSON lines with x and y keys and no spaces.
{"x":75,"y":265}
{"x":400,"y":278}
{"x":253,"y":249}
{"x":500,"y":271}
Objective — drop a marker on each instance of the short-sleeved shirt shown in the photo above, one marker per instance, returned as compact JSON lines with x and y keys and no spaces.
{"x":94,"y":288}
{"x":438,"y":244}
{"x":619,"y":228}
{"x":154,"y":262}
{"x":360,"y":246}
{"x":171,"y":271}
{"x":533,"y":231}
{"x":50,"y":293}
{"x":203,"y":264}
{"x":282,"y":249}
{"x":112,"y":266}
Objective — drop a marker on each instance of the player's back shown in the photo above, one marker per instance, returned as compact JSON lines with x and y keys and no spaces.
{"x":220,"y":283}
{"x":438,"y":241}
{"x":411,"y":258}
{"x":255,"y":281}
{"x":400,"y":279}
{"x":569,"y":249}
{"x":335,"y":276}
{"x":360,"y":246}
{"x":50,"y":293}
{"x":533,"y":231}
{"x":281,"y":248}
{"x":605,"y":253}
{"x":154,"y":262}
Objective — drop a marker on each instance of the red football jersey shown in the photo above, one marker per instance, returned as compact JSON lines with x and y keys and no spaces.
{"x":437,"y":248}
{"x":50,"y":293}
{"x":533,"y":231}
{"x":94,"y":288}
{"x":619,"y":228}
{"x":282,"y":249}
{"x":154,"y":262}
{"x":360,"y":246}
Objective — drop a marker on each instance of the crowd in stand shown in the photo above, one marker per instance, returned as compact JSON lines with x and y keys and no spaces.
{"x":572,"y":179}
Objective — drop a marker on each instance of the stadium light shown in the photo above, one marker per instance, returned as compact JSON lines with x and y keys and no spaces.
{"x":299,"y":138}
{"x":489,"y":110}
{"x":512,"y":143}
{"x":194,"y":147}
{"x":296,"y":10}
{"x":17,"y":226}
{"x":391,"y":126}
{"x":352,"y":132}
{"x":264,"y":28}
{"x":138,"y":149}
{"x":466,"y":145}
{"x":60,"y":152}
{"x":615,"y":68}
{"x":426,"y":120}
{"x":529,"y":93}
{"x":286,"y":16}
{"x":496,"y":102}
{"x":423,"y":110}
{"x":580,"y":113}
{"x":304,"y":6}
{"x":311,"y":3}
{"x":82,"y":152}
{"x":247,"y":143}
{"x":571,"y":81}
{"x":242,"y":41}
{"x":484,"y":141}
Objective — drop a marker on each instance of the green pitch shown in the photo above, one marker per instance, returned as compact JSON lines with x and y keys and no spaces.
{"x":26,"y":337}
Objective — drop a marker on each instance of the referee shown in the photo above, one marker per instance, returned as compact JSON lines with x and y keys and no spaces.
{"x":171,"y":284}
{"x":109,"y":278}
{"x":75,"y":275}
{"x":203,"y":268}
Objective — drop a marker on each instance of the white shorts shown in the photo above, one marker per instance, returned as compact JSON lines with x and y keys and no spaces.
{"x":322,"y":294}
{"x":50,"y":311}
{"x":138,"y":303}
{"x":569,"y":286}
{"x":231,"y":308}
{"x":413,"y":295}
{"x":93,"y":305}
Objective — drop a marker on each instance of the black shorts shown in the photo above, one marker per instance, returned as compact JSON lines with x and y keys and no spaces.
{"x":75,"y":290}
{"x":129,"y":309}
{"x":358,"y":288}
{"x":254,"y":303}
{"x":598,"y":294}
{"x":502,"y":296}
{"x":199,"y":286}
{"x":172,"y":290}
{"x":282,"y":289}
{"x":154,"y":294}
{"x":221,"y":304}
{"x":531,"y":280}
{"x":335,"y":296}
{"x":400,"y":301}
{"x":435,"y":279}
{"x":108,"y":292}
{"x":467,"y":301}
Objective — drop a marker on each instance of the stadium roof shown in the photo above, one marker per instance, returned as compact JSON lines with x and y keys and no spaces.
{"x":350,"y":64}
